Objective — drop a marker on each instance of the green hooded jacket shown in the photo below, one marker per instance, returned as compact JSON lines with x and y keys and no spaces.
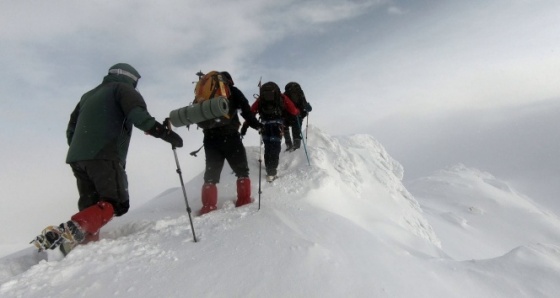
{"x":100,"y":126}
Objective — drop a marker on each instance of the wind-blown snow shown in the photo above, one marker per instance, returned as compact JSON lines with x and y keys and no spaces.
{"x":471,"y":206}
{"x":343,"y":227}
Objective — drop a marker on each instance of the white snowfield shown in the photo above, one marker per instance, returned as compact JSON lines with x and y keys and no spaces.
{"x":345,"y":226}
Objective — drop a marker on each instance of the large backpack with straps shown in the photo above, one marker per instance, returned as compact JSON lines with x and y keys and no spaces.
{"x":295,"y":93}
{"x":271,"y":103}
{"x":211,"y":85}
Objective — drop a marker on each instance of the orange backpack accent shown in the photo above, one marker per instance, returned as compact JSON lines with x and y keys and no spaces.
{"x":211,"y":85}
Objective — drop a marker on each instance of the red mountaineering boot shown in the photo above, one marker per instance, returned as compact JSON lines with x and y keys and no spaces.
{"x":243,"y":191}
{"x":209,"y":198}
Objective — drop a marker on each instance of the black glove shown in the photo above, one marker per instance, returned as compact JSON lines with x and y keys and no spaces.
{"x":173,"y":138}
{"x":160,"y":131}
{"x":259,"y":128}
{"x":303,"y":114}
{"x":166,"y":123}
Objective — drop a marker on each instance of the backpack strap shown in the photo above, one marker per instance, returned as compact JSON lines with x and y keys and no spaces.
{"x":194,"y":153}
{"x":216,"y":84}
{"x":221,"y":84}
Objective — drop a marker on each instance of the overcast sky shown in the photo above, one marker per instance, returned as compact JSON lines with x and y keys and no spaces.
{"x":437,"y":82}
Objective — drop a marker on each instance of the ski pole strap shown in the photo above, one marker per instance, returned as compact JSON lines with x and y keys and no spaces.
{"x":167,"y":124}
{"x":194,"y":153}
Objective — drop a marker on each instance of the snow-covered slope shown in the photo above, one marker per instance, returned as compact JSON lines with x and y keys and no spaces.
{"x":467,"y":205}
{"x":344,"y":226}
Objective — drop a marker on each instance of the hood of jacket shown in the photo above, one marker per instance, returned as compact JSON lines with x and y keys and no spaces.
{"x":123,"y":73}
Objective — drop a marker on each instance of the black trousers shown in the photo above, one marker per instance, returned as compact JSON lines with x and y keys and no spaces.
{"x":293,"y":123}
{"x":272,"y":139}
{"x":101,"y":180}
{"x":219,"y":148}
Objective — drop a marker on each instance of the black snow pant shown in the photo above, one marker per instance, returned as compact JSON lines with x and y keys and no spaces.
{"x":220,"y":147}
{"x":102,"y":180}
{"x":272,"y":139}
{"x":292,"y":122}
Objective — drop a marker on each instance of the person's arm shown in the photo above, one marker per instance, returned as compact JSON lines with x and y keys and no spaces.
{"x":290,"y":107}
{"x":136,"y":111}
{"x":255,"y":107}
{"x":246,"y":110}
{"x":71,"y":128}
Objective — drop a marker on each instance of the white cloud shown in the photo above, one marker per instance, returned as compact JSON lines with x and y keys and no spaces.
{"x":395,"y":10}
{"x":332,"y":11}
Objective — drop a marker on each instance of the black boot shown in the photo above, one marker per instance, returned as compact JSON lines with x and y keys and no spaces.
{"x":297,"y":144}
{"x":271,"y":175}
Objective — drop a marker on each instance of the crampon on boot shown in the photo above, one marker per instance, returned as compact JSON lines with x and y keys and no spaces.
{"x":66,"y":236}
{"x":243,"y":192}
{"x":209,"y":198}
{"x":71,"y":233}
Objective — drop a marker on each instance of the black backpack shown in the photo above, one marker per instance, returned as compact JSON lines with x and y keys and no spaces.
{"x":271,"y":103}
{"x":295,"y":93}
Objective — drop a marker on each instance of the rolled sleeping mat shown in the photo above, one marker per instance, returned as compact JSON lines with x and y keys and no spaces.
{"x":206,"y":110}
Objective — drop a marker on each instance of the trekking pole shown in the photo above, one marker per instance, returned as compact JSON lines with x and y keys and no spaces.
{"x":182,"y":185}
{"x":306,"y":126}
{"x":303,"y":140}
{"x":260,"y":170}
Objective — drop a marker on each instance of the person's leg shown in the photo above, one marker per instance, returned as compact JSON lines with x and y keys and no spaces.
{"x":214,"y":158}
{"x":272,"y":147}
{"x":237,"y":160}
{"x":236,"y":156}
{"x":91,"y":219}
{"x":86,"y":188}
{"x":288,"y":138}
{"x":111,"y":184}
{"x":209,"y":197}
{"x":214,"y":165}
{"x":296,"y":130}
{"x":243,"y":191}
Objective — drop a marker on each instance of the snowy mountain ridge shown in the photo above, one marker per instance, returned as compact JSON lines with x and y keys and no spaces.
{"x":343,"y":226}
{"x":474,"y":206}
{"x":364,"y":169}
